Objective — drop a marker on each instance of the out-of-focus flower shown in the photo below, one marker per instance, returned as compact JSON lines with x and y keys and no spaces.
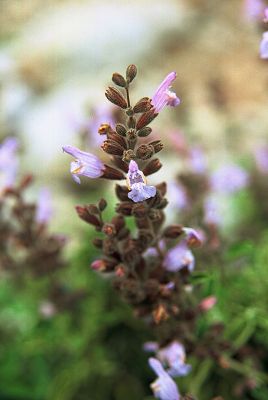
{"x":173,"y":356}
{"x":8,"y":162}
{"x":212,"y":211}
{"x":150,"y":347}
{"x":179,"y":257}
{"x":229,"y":179}
{"x":253,"y":9}
{"x":261,"y":158}
{"x":265,"y":19}
{"x":44,"y":206}
{"x":197,"y":160}
{"x":47,"y":309}
{"x":208,"y":303}
{"x":164,"y":387}
{"x":193,"y":238}
{"x":136,"y":182}
{"x":264,"y":46}
{"x":177,"y":196}
{"x":178,"y":142}
{"x":85,"y":164}
{"x":163,"y":96}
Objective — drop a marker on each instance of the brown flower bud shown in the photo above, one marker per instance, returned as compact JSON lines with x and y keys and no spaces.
{"x":121,"y":129}
{"x":162,"y":187}
{"x":152,"y":167}
{"x":104,"y":129}
{"x":145,"y":238}
{"x":128,"y":155}
{"x":143,"y":223}
{"x":145,"y":151}
{"x":131,"y":72}
{"x":112,"y":173}
{"x":102,"y":204}
{"x":139,"y":210}
{"x":122,"y":193}
{"x":119,"y":222}
{"x":145,"y":119}
{"x":115,"y":97}
{"x":123,"y":234}
{"x":157,"y":145}
{"x":117,"y":138}
{"x":173,"y":231}
{"x":124,"y":208}
{"x":92,"y":209}
{"x":86,"y":216}
{"x":112,"y":147}
{"x":109,"y":229}
{"x":119,"y":80}
{"x":120,"y":164}
{"x":160,"y":314}
{"x":144,"y":131}
{"x":142,"y":106}
{"x":163,"y":203}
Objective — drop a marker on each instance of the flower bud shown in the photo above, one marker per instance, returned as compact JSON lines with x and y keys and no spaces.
{"x":145,"y":119}
{"x":112,"y":173}
{"x":131,"y":72}
{"x":109,"y":229}
{"x":104,"y":129}
{"x":119,"y":80}
{"x":121,"y":129}
{"x":122,"y":193}
{"x":173,"y":231}
{"x":128,"y":155}
{"x":86,"y":216}
{"x":152,"y":167}
{"x":144,"y":131}
{"x":124,"y":208}
{"x":145,"y":151}
{"x":112,"y":147}
{"x":115,"y":97}
{"x":102,"y":204}
{"x":157,"y":145}
{"x":142,"y":105}
{"x":97,"y":242}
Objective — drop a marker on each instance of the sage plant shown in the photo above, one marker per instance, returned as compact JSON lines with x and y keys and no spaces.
{"x":151,"y":266}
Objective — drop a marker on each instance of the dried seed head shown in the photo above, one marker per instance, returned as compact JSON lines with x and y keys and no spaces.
{"x":121,"y":129}
{"x":145,"y":151}
{"x":144,"y":131}
{"x":152,"y":167}
{"x":104,"y":129}
{"x":146,"y":118}
{"x":131,"y":72}
{"x":112,"y":147}
{"x":112,"y":173}
{"x":157,"y":145}
{"x":173,"y":231}
{"x":128,"y":155}
{"x":119,"y":80}
{"x":115,"y":97}
{"x":142,"y":105}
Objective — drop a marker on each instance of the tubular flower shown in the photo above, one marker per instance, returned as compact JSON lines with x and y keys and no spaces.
{"x":136,"y":183}
{"x":174,"y":356}
{"x":164,"y":387}
{"x":8,"y":162}
{"x":179,"y":257}
{"x":85,"y":164}
{"x":264,"y":46}
{"x":163,"y":96}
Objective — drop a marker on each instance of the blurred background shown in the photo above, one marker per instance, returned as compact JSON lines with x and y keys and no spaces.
{"x":56,"y":59}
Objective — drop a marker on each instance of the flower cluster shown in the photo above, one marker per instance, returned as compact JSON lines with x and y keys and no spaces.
{"x":151,"y":266}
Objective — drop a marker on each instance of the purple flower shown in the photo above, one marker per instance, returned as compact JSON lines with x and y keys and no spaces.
{"x":261,"y":158}
{"x":174,"y":356}
{"x":136,"y":183}
{"x":265,"y":15}
{"x":179,"y":257}
{"x":264,"y":46}
{"x":197,"y":160}
{"x":177,"y":196}
{"x":253,"y":9}
{"x":163,"y":96}
{"x":8,"y":162}
{"x":150,"y":347}
{"x":164,"y":387}
{"x":212,"y":211}
{"x":85,"y":164}
{"x":44,"y":206}
{"x":229,"y":179}
{"x":193,"y":238}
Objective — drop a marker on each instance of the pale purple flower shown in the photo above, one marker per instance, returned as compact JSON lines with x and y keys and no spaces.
{"x":177,"y":196}
{"x":85,"y":164}
{"x":164,"y":96}
{"x":100,"y":115}
{"x":173,"y":356}
{"x":179,"y":257}
{"x":212,"y":211}
{"x":253,"y":9}
{"x":193,"y":238}
{"x":265,"y":15}
{"x":136,"y":182}
{"x":150,"y":347}
{"x":44,"y":206}
{"x":261,"y":158}
{"x":229,"y":179}
{"x":197,"y":160}
{"x":264,"y":46}
{"x":8,"y":162}
{"x":164,"y":387}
